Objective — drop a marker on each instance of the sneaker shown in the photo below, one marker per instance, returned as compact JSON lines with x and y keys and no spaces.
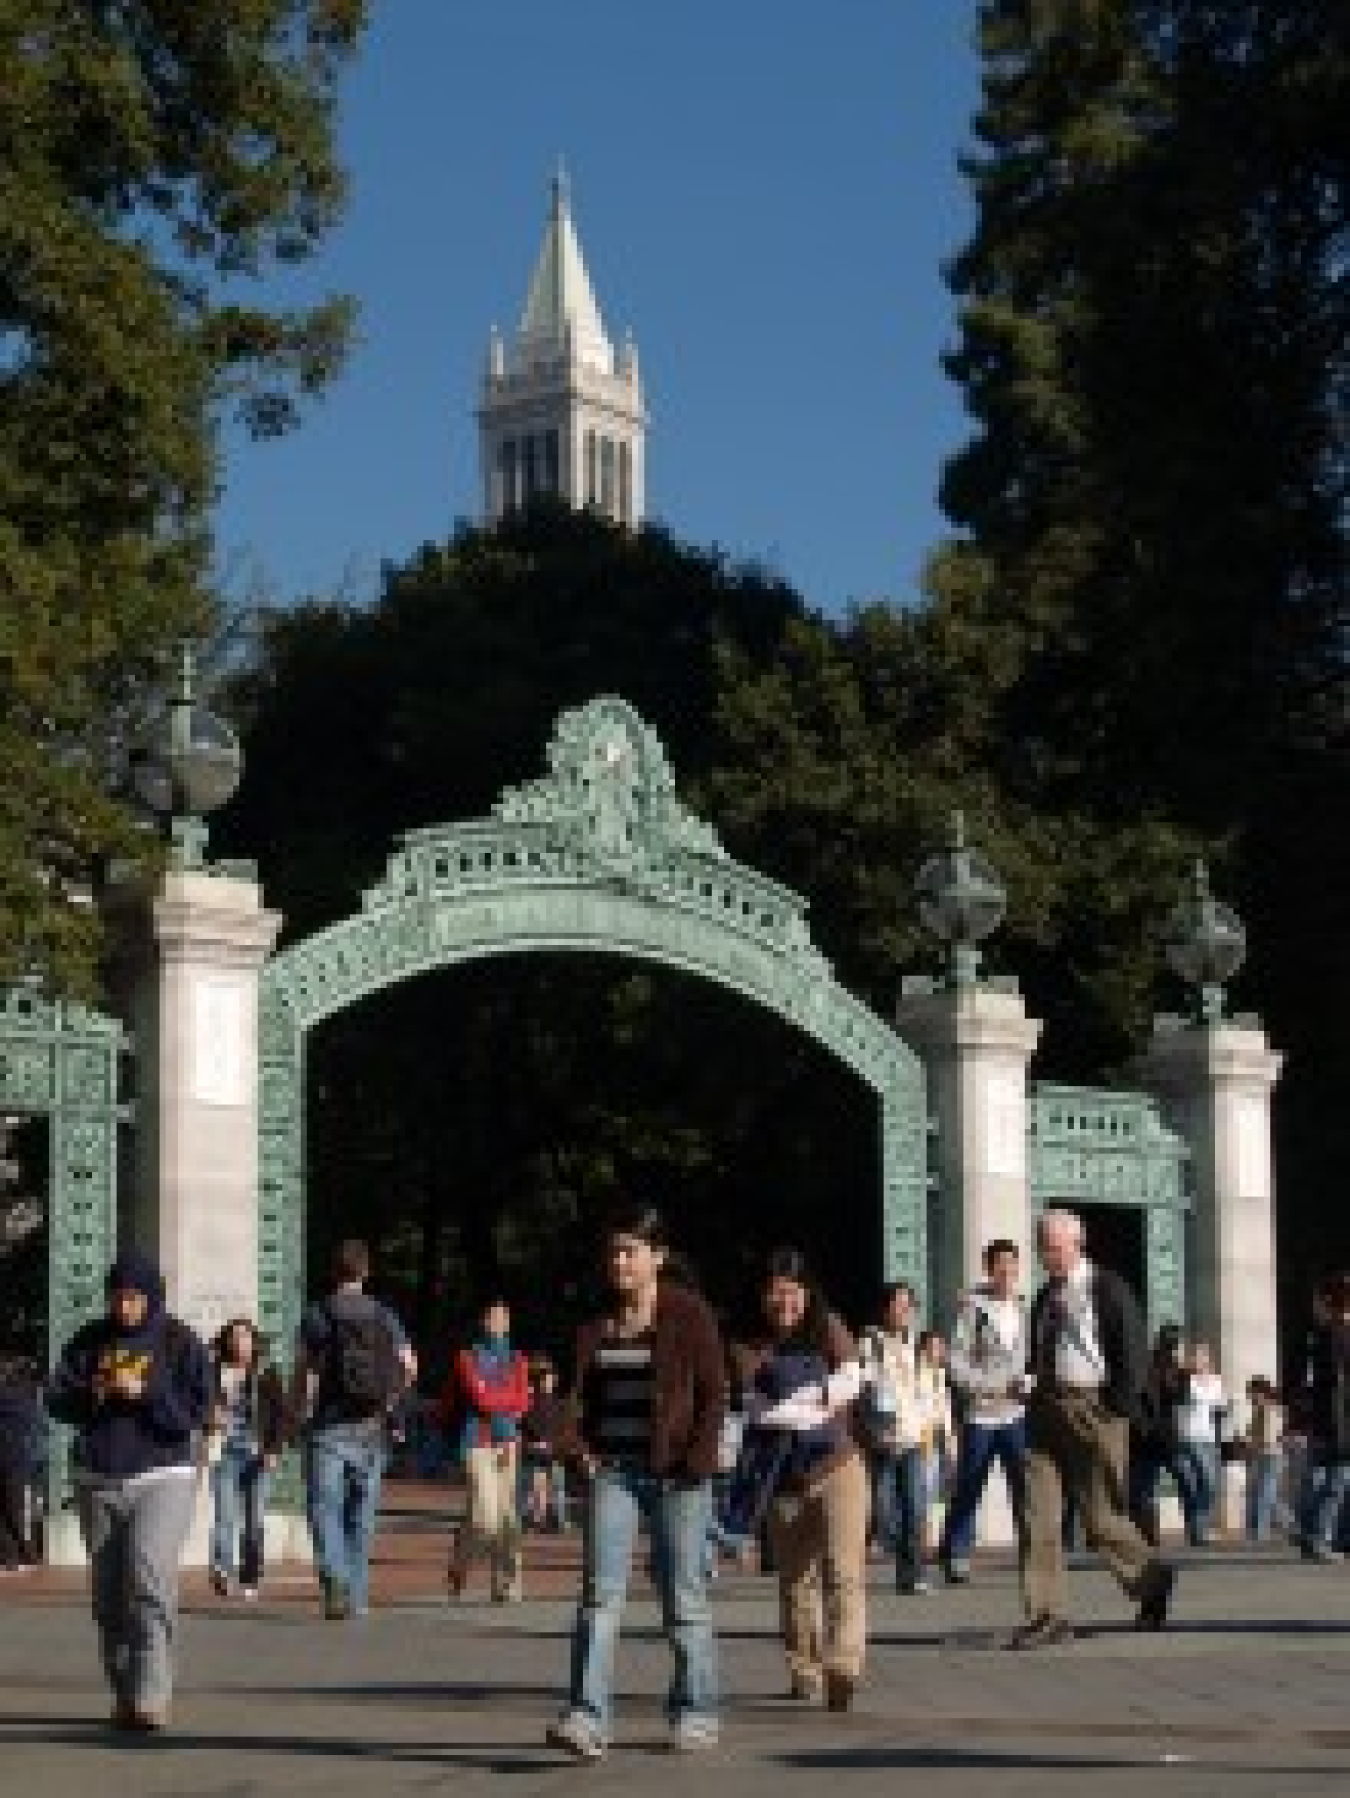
{"x":576,"y":1735}
{"x":220,"y":1583}
{"x":249,"y":1594}
{"x":693,"y":1735}
{"x":913,"y":1588}
{"x":805,"y":1689}
{"x":956,"y":1573}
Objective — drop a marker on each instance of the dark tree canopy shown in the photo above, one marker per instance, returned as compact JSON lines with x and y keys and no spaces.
{"x":1151,"y":579}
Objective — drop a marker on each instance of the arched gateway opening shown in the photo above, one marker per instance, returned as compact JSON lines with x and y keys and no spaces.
{"x":599,"y":857}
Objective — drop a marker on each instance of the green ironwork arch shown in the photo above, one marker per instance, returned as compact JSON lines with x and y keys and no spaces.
{"x":1096,"y":1146}
{"x":598,"y":856}
{"x":62,"y":1062}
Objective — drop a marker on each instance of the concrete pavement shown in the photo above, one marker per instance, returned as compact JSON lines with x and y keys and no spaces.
{"x":1246,"y":1694}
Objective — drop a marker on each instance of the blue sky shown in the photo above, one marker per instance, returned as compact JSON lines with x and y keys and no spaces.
{"x":764,"y":192}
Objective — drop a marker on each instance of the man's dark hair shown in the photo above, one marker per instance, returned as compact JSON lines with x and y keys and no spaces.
{"x":351,"y":1261}
{"x":892,"y":1287}
{"x":1001,"y":1245}
{"x":635,"y":1218}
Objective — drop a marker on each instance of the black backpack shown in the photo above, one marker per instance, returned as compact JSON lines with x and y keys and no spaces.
{"x":363,"y":1375}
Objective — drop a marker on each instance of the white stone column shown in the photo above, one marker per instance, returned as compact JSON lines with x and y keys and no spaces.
{"x":976,"y":1042}
{"x":196,"y":1027}
{"x":1214,"y":1083}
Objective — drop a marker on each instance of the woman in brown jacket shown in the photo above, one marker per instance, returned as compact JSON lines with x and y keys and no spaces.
{"x":644,"y":1430}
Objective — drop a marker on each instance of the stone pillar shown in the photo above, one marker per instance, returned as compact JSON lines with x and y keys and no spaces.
{"x":195,"y":1016}
{"x":975,"y":1041}
{"x":1214,"y":1082}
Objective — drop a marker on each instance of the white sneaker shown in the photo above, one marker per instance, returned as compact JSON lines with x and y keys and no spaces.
{"x":693,"y":1735}
{"x":576,"y":1735}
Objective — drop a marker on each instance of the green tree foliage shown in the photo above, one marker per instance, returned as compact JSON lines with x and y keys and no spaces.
{"x":155,"y":157}
{"x":1151,"y":577}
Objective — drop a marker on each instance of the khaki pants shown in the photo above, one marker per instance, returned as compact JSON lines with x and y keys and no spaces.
{"x":819,"y":1541}
{"x":491,"y":1524}
{"x":1075,"y":1446}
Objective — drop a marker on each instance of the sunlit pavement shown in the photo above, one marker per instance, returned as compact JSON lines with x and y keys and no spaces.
{"x":1245,"y":1693}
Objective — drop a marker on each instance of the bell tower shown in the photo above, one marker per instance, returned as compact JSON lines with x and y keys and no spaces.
{"x":561,"y":410}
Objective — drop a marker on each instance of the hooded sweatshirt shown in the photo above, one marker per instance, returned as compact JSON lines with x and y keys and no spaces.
{"x":122,"y":1438}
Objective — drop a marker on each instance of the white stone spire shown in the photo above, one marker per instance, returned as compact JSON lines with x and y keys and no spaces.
{"x":561,"y":413}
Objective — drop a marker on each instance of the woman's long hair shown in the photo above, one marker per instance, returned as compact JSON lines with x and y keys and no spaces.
{"x":812,"y":1334}
{"x":223,"y":1340}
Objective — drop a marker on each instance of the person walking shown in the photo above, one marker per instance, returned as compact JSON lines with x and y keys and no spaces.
{"x":20,"y":1424}
{"x":1087,"y":1362}
{"x":893,"y":1420}
{"x":1201,"y":1419}
{"x":988,"y":1374}
{"x":352,"y":1364}
{"x":1155,"y":1440}
{"x":643,"y":1428}
{"x":811,"y":1375}
{"x":544,"y":1479}
{"x":1324,"y":1410}
{"x":487,"y":1395}
{"x":1263,"y":1452}
{"x":246,"y":1438}
{"x":136,"y":1386}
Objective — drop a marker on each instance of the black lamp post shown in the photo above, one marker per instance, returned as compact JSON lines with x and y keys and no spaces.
{"x":962,"y":900}
{"x":190,"y":766}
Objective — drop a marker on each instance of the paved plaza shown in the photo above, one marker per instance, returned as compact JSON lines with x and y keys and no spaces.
{"x":1245,"y":1695}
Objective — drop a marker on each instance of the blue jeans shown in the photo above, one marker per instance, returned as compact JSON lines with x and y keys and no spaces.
{"x":239,"y":1482}
{"x":981,"y":1445}
{"x":1263,"y":1493}
{"x":345,"y":1467}
{"x":1202,"y":1464}
{"x":898,"y":1511}
{"x":1146,"y":1469}
{"x":616,"y":1502}
{"x":1322,"y":1502}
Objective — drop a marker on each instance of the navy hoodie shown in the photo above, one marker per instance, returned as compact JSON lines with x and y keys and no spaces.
{"x":120,"y":1438}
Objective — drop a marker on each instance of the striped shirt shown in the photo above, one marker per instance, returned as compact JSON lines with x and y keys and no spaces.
{"x":622,"y":1375}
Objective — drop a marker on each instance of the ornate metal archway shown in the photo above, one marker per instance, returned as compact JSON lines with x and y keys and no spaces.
{"x":62,"y":1062}
{"x":599,"y":856}
{"x":1092,"y":1146}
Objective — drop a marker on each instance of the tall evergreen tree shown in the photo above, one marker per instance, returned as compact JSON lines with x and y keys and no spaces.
{"x":154,"y":156}
{"x":1155,"y":348}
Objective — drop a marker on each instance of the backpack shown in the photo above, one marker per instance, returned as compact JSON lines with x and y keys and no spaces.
{"x":363,"y":1366}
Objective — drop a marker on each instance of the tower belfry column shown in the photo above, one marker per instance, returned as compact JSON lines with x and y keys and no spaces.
{"x":561,"y":411}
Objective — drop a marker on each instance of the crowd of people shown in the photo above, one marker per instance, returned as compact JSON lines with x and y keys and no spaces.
{"x":804,"y":1444}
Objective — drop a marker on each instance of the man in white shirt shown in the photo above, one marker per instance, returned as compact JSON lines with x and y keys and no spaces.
{"x":1200,"y":1420}
{"x":1088,"y":1368}
{"x":987,"y":1362}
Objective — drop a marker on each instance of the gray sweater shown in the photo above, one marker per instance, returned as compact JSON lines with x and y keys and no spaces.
{"x":988,"y":1354}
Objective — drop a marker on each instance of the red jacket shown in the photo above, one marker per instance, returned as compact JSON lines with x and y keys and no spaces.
{"x":477,"y":1401}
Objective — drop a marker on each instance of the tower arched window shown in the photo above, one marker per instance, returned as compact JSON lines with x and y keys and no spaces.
{"x":550,"y":461}
{"x":592,"y":484}
{"x":506,"y":463}
{"x":625,"y":484}
{"x":530,"y":482}
{"x":607,"y":476}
